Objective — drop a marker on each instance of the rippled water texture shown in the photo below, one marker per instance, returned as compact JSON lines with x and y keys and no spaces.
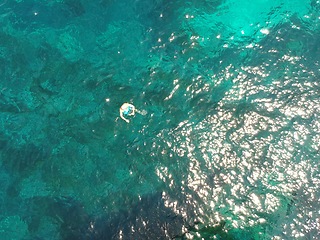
{"x":228,"y":149}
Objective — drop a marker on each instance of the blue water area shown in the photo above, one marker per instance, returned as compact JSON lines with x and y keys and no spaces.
{"x":224,"y":142}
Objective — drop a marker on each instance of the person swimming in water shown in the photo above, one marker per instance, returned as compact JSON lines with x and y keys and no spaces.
{"x":128,"y":109}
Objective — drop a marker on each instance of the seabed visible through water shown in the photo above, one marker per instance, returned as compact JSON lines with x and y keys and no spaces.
{"x":228,"y":147}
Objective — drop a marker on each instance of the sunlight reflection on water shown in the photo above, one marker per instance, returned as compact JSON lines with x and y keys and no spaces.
{"x":253,"y":155}
{"x":228,"y":140}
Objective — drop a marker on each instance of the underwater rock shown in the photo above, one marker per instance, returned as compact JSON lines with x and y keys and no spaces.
{"x":147,"y":219}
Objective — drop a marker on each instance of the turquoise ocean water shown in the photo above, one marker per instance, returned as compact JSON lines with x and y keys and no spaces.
{"x":228,"y":149}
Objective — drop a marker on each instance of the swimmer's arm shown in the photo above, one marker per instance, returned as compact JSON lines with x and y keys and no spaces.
{"x":121,"y":115}
{"x":142,"y":112}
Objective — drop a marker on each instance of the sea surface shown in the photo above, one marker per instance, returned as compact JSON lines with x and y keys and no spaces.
{"x":229,"y":147}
